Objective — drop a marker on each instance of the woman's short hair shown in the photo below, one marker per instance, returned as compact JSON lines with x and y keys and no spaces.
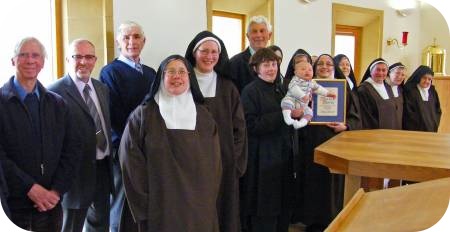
{"x":263,"y":55}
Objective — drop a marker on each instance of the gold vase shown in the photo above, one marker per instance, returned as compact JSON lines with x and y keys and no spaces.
{"x":434,"y":57}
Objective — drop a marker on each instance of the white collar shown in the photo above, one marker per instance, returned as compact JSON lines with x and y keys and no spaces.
{"x":380,"y":88}
{"x":80,"y":84}
{"x":207,"y":82}
{"x":129,"y":62}
{"x":178,"y":112}
{"x":424,"y":93}
{"x":350,"y":83}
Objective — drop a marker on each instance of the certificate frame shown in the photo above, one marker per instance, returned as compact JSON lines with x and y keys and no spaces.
{"x":321,"y":114}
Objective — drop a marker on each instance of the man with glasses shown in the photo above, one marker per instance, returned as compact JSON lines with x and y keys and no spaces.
{"x":38,"y":149}
{"x":87,"y":203}
{"x":128,"y":81}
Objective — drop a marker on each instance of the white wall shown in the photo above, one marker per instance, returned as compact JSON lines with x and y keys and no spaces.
{"x":169,"y":25}
{"x":300,"y":25}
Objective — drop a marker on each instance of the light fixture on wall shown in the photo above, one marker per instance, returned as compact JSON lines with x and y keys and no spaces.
{"x":405,"y":12}
{"x":393,"y":41}
{"x":307,"y":1}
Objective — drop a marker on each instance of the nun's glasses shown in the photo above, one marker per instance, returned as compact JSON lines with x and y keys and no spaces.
{"x":173,"y":72}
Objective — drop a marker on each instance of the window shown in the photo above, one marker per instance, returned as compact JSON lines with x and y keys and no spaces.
{"x":24,"y":18}
{"x":230,"y":28}
{"x":346,"y":42}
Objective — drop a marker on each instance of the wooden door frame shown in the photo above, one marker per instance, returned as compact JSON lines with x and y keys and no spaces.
{"x":234,"y":16}
{"x":355,"y":32}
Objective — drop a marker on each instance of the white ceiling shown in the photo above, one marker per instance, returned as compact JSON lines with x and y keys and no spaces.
{"x":237,"y":6}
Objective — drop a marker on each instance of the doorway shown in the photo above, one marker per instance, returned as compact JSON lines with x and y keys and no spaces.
{"x":365,"y":26}
{"x":231,"y":10}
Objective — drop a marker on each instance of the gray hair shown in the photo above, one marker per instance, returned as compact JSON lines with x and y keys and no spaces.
{"x":126,"y":25}
{"x":26,"y":40}
{"x":259,"y":19}
{"x":75,"y":42}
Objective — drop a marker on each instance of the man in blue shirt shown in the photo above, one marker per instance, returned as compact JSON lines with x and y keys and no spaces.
{"x":37,"y":145}
{"x":128,"y":81}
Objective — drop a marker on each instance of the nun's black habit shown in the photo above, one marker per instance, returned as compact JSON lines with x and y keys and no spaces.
{"x":267,"y":184}
{"x":419,"y":114}
{"x":171,"y":176}
{"x":321,"y":193}
{"x":226,"y":109}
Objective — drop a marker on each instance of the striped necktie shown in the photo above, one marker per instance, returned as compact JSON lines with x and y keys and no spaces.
{"x":138,"y":67}
{"x":100,"y":135}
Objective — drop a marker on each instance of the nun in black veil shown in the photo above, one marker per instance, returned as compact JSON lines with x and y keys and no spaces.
{"x":170,"y":157}
{"x":422,"y":109}
{"x":343,"y":62}
{"x":208,"y":56}
{"x":299,"y":56}
{"x":320,"y":195}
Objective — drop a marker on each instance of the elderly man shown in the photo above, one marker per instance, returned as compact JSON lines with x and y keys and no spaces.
{"x":86,"y":204}
{"x":128,"y":81}
{"x":38,"y":150}
{"x":259,"y":32}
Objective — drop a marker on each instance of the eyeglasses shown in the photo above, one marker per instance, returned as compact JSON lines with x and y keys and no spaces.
{"x":24,"y":55}
{"x":172,"y":72}
{"x":88,"y":58}
{"x":325,"y":64}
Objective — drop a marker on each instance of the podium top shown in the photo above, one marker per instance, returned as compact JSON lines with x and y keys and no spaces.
{"x":411,"y":155}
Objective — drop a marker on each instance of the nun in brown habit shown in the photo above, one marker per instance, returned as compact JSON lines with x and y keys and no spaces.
{"x":208,"y":55}
{"x":422,"y":110}
{"x":378,"y":107}
{"x":170,"y":156}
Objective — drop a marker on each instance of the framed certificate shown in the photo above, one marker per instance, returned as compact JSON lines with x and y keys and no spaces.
{"x":327,"y":109}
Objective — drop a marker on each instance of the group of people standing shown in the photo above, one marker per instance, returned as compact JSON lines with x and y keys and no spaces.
{"x":201,"y":144}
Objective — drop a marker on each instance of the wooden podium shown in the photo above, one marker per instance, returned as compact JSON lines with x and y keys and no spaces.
{"x":396,"y":154}
{"x":442,"y":85}
{"x":413,"y":207}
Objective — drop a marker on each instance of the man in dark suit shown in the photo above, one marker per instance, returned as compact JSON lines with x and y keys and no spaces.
{"x":38,"y":151}
{"x":87,"y":202}
{"x":258,"y":34}
{"x":3,"y":191}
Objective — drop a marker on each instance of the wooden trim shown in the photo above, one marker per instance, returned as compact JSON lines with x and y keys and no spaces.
{"x":234,"y":16}
{"x":58,"y":58}
{"x":355,"y":32}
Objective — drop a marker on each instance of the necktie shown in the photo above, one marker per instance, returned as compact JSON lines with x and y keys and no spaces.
{"x":100,"y":135}
{"x":138,"y":67}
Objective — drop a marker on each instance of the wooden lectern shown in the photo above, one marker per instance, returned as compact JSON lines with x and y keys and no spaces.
{"x":413,"y":207}
{"x":396,"y":154}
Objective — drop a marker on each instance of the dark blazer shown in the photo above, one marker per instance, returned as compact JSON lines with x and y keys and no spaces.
{"x":82,"y":192}
{"x":240,"y":69}
{"x":51,"y":163}
{"x":3,"y":191}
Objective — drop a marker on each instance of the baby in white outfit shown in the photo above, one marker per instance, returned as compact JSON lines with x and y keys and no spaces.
{"x":299,"y":94}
